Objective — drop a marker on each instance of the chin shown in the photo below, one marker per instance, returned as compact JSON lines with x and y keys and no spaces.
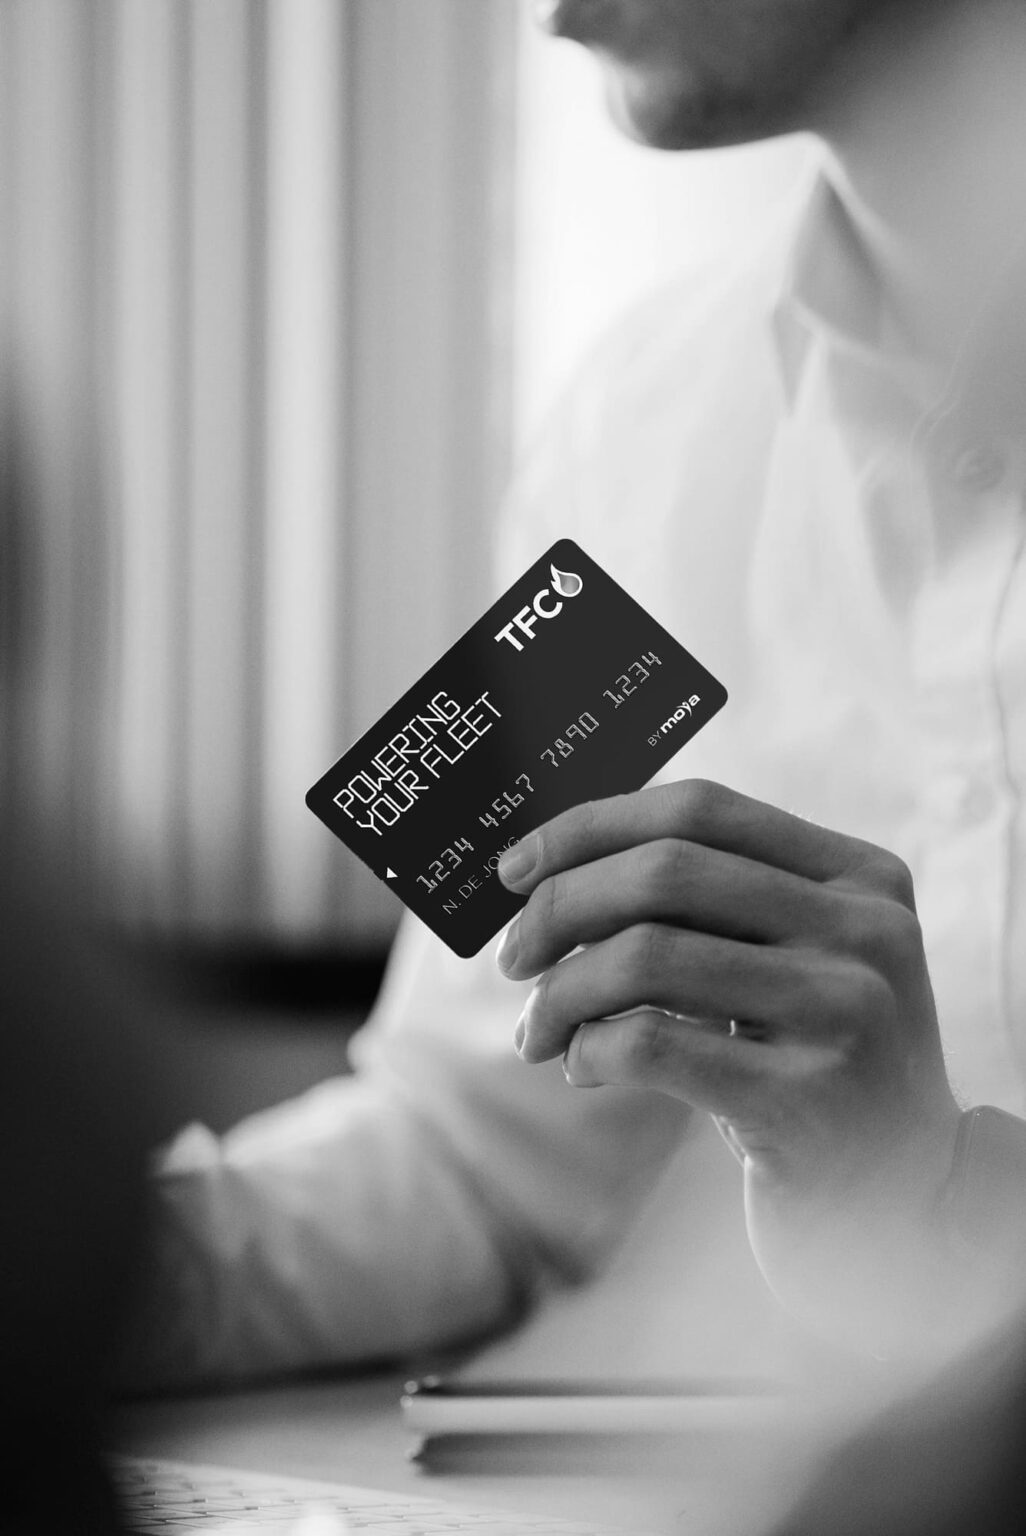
{"x":682,"y":116}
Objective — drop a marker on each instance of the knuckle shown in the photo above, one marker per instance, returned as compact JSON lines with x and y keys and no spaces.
{"x":861,"y":996}
{"x":541,"y":999}
{"x":661,"y":866}
{"x":536,"y":921}
{"x":851,"y":926}
{"x":583,"y":821}
{"x":645,"y":944}
{"x":805,"y":988}
{"x":549,"y":904}
{"x":644,"y":1045}
{"x":697,"y":803}
{"x":891,"y":877}
{"x":902,"y":933}
{"x":566,"y":838}
{"x":879,"y":931}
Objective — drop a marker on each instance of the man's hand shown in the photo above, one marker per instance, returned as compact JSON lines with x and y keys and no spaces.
{"x":771,"y":972}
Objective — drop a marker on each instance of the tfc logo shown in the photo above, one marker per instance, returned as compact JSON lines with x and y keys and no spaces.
{"x":566,"y":583}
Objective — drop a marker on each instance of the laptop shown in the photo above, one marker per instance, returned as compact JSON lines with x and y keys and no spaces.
{"x":179,"y":1497}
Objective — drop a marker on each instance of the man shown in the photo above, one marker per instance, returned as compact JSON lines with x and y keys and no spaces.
{"x":811,"y":466}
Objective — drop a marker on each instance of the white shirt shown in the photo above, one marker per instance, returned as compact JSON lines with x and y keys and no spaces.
{"x":755,"y":459}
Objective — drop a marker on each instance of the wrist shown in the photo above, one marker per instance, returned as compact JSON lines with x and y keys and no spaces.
{"x":858,"y":1253}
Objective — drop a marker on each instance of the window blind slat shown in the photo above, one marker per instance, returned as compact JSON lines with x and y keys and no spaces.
{"x":254,"y":275}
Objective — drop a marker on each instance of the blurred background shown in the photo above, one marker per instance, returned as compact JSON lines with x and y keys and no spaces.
{"x":286,"y":287}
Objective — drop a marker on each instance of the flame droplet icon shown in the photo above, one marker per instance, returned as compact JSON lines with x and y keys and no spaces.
{"x":566,"y":583}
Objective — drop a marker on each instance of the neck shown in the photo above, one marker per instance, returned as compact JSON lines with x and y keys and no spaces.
{"x":929,"y":125}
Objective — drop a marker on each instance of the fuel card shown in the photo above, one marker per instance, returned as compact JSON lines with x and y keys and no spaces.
{"x":565,"y":691}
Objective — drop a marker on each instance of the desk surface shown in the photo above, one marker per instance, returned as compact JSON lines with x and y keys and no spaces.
{"x":349,"y":1431}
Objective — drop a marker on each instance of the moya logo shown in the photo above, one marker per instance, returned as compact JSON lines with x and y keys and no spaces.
{"x":682,"y":712}
{"x":566,"y":583}
{"x":683,"y":709}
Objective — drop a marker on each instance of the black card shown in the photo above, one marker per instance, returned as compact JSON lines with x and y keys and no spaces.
{"x":565,"y":691}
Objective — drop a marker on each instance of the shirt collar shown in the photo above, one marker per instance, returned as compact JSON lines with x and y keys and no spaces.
{"x":831,"y":286}
{"x":832,"y":291}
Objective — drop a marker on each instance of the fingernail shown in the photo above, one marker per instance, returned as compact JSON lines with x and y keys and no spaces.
{"x":506,"y":954}
{"x":518,"y":1036}
{"x":517,"y":862}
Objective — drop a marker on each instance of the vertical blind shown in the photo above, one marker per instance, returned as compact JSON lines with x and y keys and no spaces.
{"x":256,"y":288}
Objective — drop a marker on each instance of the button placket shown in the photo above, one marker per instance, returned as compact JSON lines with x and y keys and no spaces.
{"x":974,"y":485}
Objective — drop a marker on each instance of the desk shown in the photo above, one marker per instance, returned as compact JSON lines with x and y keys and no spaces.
{"x":349,"y":1431}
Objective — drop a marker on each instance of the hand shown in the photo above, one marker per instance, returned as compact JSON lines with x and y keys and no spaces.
{"x":697,"y":906}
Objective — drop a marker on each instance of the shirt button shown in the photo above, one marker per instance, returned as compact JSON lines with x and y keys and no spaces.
{"x":975,"y":803}
{"x":961,"y":801}
{"x":978,"y":467}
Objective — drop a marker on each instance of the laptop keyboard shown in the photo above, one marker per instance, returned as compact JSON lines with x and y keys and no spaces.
{"x":177,"y":1497}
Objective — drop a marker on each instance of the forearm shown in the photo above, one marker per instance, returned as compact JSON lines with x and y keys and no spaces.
{"x":324,"y":1243}
{"x":354,"y":1228}
{"x":423,"y":1201}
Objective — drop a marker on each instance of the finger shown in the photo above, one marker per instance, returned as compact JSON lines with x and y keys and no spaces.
{"x":664,"y":881}
{"x":698,"y":811}
{"x":733,"y":1078}
{"x":688,"y":973}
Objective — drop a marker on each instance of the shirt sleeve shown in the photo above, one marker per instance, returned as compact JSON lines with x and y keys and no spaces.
{"x":427,"y":1199}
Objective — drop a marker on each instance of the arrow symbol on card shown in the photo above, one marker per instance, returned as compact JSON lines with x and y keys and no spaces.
{"x":390,"y":874}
